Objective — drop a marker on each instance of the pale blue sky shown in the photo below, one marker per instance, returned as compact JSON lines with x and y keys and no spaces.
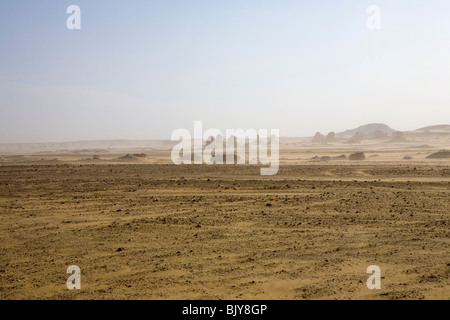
{"x":141,"y":69}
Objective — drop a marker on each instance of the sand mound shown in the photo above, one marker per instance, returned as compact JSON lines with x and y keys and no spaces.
{"x":357,"y":156}
{"x":443,"y":154}
{"x":126,"y":157}
{"x":139,"y":155}
{"x":135,"y":156}
{"x":328,"y":158}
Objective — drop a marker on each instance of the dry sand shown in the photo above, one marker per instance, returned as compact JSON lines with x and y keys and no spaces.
{"x":143,"y":230}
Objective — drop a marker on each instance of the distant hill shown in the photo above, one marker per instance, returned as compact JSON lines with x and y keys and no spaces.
{"x":441,"y":127}
{"x":94,"y":145}
{"x":367,"y":129}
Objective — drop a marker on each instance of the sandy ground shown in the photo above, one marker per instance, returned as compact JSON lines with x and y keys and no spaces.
{"x":159,"y":231}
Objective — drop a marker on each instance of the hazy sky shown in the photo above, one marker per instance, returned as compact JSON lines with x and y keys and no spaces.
{"x":141,"y":69}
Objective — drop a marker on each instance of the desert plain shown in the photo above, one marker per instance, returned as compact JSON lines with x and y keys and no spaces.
{"x":140,"y":227}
